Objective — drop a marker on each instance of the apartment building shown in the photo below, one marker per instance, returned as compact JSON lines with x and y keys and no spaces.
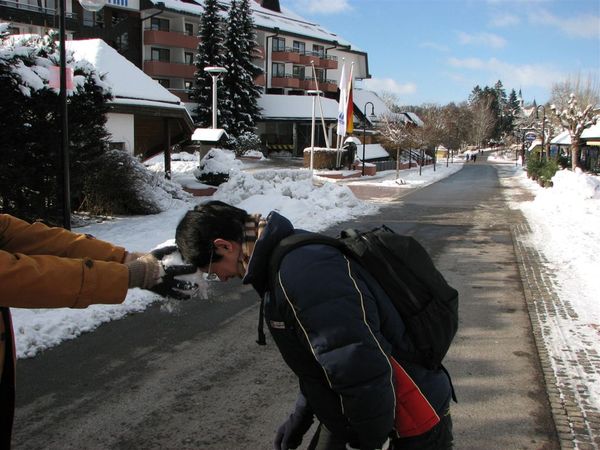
{"x":160,"y":37}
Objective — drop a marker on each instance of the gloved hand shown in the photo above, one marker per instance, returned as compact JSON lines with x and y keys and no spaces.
{"x":150,"y":272}
{"x":290,"y":433}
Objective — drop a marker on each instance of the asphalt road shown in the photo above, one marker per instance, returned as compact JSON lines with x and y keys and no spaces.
{"x":189,"y":375}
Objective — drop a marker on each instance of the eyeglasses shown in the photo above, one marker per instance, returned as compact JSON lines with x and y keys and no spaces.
{"x":209,"y":275}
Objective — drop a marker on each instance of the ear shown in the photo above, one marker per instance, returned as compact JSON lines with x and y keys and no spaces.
{"x":222,"y":244}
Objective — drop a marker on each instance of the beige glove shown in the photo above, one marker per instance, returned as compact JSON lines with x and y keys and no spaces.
{"x":145,"y":272}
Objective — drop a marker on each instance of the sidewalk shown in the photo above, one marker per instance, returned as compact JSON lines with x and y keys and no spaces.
{"x":577,"y":421}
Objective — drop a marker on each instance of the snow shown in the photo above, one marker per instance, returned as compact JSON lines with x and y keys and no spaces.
{"x":297,"y":107}
{"x":564,"y":219}
{"x":565,"y":229}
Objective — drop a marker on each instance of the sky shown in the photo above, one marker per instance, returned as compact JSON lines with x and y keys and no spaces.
{"x":436,"y":51}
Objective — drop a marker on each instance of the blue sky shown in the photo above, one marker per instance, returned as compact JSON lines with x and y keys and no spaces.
{"x":436,"y":51}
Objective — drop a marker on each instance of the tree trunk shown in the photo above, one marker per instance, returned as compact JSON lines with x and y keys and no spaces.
{"x":574,"y":153}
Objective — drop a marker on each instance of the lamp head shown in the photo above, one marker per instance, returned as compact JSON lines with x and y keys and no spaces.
{"x":92,"y":5}
{"x":215,"y":70}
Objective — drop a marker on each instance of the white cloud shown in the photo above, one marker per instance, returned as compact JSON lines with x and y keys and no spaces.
{"x":486,"y":39}
{"x":583,"y":26}
{"x":504,"y":20}
{"x":434,"y":46}
{"x":540,"y":75}
{"x":322,"y":6}
{"x":389,"y":85}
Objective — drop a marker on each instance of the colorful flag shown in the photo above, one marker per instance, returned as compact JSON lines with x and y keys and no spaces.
{"x":342,"y":110}
{"x":350,"y":107}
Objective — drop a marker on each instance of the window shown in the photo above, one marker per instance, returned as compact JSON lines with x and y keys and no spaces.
{"x":122,"y":42}
{"x":320,"y":75}
{"x":189,"y":29}
{"x":164,"y":82}
{"x":160,"y":54}
{"x":298,"y":72}
{"x":188,"y":85}
{"x":279,"y":44}
{"x":319,"y":50}
{"x":188,"y":58}
{"x":88,"y":18}
{"x":299,"y":47}
{"x":278,"y":70}
{"x":158,"y":24}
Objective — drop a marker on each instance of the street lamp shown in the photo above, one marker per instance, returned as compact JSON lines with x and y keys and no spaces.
{"x":543,"y":126}
{"x":215,"y":72}
{"x":365,"y":131}
{"x":90,"y":5}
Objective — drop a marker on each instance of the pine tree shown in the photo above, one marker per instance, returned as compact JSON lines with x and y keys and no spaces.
{"x":211,"y":52}
{"x":242,"y":93}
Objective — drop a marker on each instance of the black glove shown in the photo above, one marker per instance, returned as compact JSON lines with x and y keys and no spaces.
{"x":168,"y":285}
{"x":290,"y":433}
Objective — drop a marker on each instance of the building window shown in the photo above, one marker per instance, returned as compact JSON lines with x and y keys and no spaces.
{"x":279,"y":44}
{"x":189,"y":58}
{"x":320,"y":73}
{"x":298,"y":72}
{"x":164,"y":82}
{"x":278,"y":70}
{"x":188,"y":85}
{"x":122,"y":42}
{"x":160,"y":54}
{"x":319,"y":50}
{"x":158,"y":24}
{"x":299,"y":47}
{"x":189,"y":29}
{"x":50,"y":4}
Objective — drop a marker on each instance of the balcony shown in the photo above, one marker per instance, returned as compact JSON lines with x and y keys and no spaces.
{"x":325,"y":86}
{"x":169,"y":69}
{"x":170,"y":39}
{"x":307,"y":58}
{"x":286,"y":55}
{"x":285,"y":81}
{"x":328,"y":62}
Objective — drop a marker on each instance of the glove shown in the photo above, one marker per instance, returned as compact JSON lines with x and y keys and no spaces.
{"x":151,"y":272}
{"x":290,"y":433}
{"x":384,"y":446}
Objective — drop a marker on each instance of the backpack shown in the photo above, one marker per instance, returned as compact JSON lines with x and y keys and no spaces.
{"x":426,"y":303}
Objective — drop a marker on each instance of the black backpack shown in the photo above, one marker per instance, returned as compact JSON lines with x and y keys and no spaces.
{"x":427,"y":304}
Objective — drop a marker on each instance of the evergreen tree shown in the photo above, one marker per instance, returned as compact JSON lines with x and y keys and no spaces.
{"x":211,"y":52}
{"x":513,"y":109}
{"x":239,"y":80}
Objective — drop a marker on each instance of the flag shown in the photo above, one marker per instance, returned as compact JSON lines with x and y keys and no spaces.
{"x":350,"y":107}
{"x":342,"y":110}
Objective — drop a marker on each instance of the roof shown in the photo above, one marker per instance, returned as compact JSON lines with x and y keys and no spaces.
{"x":296,"y":107}
{"x":208,"y":134}
{"x":127,"y":81}
{"x":372,"y":151}
{"x":286,"y":20}
{"x":564,"y":138}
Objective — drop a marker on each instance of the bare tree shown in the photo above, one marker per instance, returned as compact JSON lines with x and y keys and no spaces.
{"x":483,"y":120}
{"x":575,"y":118}
{"x":573,"y":102}
{"x":395,"y":135}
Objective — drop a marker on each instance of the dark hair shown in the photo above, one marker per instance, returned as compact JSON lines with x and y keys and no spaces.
{"x":200,"y":226}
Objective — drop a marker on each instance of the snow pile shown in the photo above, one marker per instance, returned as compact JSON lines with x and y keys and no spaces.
{"x":293,"y":194}
{"x":575,"y":185}
{"x":218,"y":161}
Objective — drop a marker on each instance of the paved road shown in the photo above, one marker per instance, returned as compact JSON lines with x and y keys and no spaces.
{"x":189,"y":376}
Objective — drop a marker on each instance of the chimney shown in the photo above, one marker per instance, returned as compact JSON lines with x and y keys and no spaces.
{"x":273,"y":5}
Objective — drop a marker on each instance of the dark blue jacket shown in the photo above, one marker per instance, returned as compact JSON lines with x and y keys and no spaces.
{"x":336,"y":329}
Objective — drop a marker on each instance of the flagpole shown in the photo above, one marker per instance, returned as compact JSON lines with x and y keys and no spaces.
{"x":312,"y":63}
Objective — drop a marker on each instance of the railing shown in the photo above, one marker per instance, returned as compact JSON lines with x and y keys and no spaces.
{"x":35,"y":8}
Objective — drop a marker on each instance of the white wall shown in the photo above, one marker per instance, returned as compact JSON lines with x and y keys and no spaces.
{"x":121,"y":129}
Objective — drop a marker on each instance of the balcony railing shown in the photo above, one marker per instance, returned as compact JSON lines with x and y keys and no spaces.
{"x":169,"y":69}
{"x":170,"y":39}
{"x":35,"y":8}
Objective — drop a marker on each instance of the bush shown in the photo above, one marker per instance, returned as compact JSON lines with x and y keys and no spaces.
{"x":245,"y":142}
{"x":534,"y":167}
{"x":215,"y":166}
{"x":119,"y":185}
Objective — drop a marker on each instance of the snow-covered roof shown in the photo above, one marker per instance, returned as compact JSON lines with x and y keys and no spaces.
{"x":563,"y":138}
{"x":286,"y":20}
{"x":208,"y":134}
{"x":362,"y":96}
{"x":372,"y":151}
{"x":128,"y":83}
{"x":296,"y":107}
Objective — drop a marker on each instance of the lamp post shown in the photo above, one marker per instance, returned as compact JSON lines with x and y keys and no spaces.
{"x":90,"y":5}
{"x":215,"y":72}
{"x":543,"y":126}
{"x":365,"y":132}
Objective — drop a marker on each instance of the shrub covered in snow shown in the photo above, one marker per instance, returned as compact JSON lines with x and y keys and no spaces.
{"x":246,"y":142}
{"x":216,"y":166}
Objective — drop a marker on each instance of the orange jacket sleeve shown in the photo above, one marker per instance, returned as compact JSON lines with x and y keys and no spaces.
{"x":43,"y":267}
